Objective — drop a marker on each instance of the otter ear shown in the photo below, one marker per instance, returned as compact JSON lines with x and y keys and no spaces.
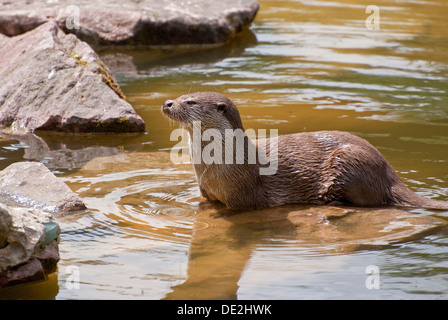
{"x":221,"y":107}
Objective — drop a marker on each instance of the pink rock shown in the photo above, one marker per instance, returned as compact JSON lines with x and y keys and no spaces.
{"x":32,"y":185}
{"x":145,"y":22}
{"x":29,"y":272}
{"x":53,"y":81}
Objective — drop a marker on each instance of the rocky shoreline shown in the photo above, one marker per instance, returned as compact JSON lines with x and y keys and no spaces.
{"x":53,"y":80}
{"x":29,"y":245}
{"x":30,"y":196}
{"x":133,"y":23}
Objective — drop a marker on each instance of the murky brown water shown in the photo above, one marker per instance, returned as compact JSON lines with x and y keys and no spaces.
{"x":303,"y":66}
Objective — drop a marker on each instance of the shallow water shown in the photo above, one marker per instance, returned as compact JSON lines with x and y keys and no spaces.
{"x":302,"y":66}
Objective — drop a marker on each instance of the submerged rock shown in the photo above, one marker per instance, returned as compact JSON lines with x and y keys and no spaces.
{"x":28,"y":245}
{"x":143,"y":22}
{"x":53,"y":81}
{"x":32,"y":185}
{"x":60,"y":151}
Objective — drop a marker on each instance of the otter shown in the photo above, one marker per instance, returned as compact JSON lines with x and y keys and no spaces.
{"x":323,"y":167}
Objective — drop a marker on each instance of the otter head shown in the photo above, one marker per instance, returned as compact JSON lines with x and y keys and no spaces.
{"x":212,"y":109}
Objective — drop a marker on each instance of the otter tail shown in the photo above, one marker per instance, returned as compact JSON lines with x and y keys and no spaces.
{"x":405,"y":197}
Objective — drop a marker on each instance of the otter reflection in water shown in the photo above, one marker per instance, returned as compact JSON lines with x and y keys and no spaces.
{"x":325,"y":167}
{"x":223,"y":245}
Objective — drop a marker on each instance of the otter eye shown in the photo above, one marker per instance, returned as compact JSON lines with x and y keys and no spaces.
{"x":191,"y":103}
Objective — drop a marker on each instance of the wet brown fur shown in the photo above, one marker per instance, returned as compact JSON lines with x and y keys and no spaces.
{"x":313,"y":167}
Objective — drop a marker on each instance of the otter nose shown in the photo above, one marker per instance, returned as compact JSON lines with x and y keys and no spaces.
{"x":168,"y":104}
